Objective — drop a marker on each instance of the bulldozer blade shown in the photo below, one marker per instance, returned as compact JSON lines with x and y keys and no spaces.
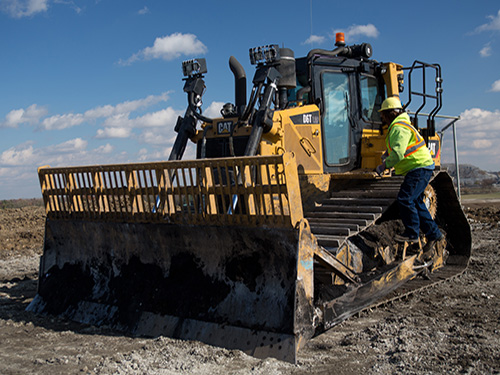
{"x":232,"y":287}
{"x":152,"y":249}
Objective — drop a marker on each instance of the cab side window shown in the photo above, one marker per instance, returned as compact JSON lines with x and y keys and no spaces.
{"x":371,"y":100}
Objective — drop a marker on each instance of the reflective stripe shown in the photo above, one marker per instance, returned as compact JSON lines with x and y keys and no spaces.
{"x":415,"y":146}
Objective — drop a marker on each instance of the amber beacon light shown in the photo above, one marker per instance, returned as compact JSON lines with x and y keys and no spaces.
{"x":339,"y":39}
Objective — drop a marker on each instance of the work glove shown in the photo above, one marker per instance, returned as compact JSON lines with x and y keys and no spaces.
{"x":380,"y":169}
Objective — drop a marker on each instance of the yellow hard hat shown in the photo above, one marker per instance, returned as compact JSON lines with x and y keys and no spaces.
{"x":391,"y":103}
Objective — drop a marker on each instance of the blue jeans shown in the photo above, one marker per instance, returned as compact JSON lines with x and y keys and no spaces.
{"x":412,"y":209}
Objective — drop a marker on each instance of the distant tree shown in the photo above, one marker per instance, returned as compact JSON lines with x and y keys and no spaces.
{"x":487,"y":182}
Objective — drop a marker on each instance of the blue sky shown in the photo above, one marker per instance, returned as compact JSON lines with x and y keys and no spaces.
{"x":100,"y":81}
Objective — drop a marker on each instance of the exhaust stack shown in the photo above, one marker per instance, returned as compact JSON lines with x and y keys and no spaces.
{"x":240,"y":85}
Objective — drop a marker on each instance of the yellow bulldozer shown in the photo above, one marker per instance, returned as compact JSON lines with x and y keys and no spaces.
{"x":277,"y":231}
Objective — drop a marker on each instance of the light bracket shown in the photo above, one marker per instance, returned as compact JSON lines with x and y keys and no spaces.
{"x":194,"y":67}
{"x":268,"y":54}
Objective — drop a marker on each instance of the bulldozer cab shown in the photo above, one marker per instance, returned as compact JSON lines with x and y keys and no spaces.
{"x":349,"y":93}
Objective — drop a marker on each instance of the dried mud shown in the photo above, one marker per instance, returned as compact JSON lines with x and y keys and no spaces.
{"x":452,"y":327}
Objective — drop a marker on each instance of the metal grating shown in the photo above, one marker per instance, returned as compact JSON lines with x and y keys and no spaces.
{"x":228,"y":191}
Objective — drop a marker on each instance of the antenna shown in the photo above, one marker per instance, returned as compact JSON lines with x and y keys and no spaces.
{"x":311,"y":12}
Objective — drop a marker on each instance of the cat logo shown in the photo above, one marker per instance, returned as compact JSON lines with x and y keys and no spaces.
{"x":433,"y":147}
{"x":224,"y":127}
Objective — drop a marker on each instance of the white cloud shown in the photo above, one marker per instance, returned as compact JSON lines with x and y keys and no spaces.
{"x":361,"y":30}
{"x":154,"y":130}
{"x":28,"y":156}
{"x":166,"y":117}
{"x":30,"y":115}
{"x":59,"y":122}
{"x":163,"y":153}
{"x":100,"y":112}
{"x":18,"y":155}
{"x":351,"y":34}
{"x":115,"y":120}
{"x":213,"y":110}
{"x":161,"y":138}
{"x":71,"y":3}
{"x":478,"y":134}
{"x":143,"y":11}
{"x":126,"y":107}
{"x":315,"y":39}
{"x":18,"y":164}
{"x":29,"y":8}
{"x":493,"y":25}
{"x":155,"y":138}
{"x":72,"y":145}
{"x":120,"y":126}
{"x":121,"y":120}
{"x":485,"y":51}
{"x":495,"y":87}
{"x":481,"y":143}
{"x":169,"y":47}
{"x":112,"y":114}
{"x":4,"y":172}
{"x":114,"y":132}
{"x":105,"y":149}
{"x":475,"y":120}
{"x":23,"y":8}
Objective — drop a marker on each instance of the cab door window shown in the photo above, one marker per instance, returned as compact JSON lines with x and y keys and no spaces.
{"x":336,"y":127}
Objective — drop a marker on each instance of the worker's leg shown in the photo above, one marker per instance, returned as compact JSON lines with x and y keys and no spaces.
{"x":427,"y":224}
{"x":411,"y":189}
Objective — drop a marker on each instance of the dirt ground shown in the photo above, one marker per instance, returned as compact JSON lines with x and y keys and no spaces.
{"x":453,"y":327}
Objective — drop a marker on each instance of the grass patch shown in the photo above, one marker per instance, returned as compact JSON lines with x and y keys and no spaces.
{"x":482,"y":196}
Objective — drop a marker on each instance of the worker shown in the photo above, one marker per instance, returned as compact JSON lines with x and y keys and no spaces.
{"x":410,"y":157}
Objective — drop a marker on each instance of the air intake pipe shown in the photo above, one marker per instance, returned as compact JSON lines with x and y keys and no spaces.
{"x":288,"y":78}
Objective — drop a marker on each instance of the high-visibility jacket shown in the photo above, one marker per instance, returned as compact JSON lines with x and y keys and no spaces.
{"x":406,"y":147}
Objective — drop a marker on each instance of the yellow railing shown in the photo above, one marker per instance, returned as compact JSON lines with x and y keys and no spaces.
{"x":229,"y":191}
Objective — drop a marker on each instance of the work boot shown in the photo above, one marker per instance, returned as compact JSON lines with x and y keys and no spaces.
{"x":405,"y":238}
{"x":428,"y":250}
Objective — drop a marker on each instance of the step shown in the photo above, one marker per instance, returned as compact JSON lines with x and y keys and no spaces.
{"x":366,"y":194}
{"x":320,"y":217}
{"x":330,"y":241}
{"x":358,"y":201}
{"x":333,"y":231}
{"x":345,"y":215}
{"x":321,"y":223}
{"x":342,"y":208}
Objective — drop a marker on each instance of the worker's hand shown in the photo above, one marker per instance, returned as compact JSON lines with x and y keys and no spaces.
{"x":384,"y":156}
{"x":380,"y":169}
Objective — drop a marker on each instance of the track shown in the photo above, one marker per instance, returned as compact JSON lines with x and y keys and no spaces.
{"x":350,"y":211}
